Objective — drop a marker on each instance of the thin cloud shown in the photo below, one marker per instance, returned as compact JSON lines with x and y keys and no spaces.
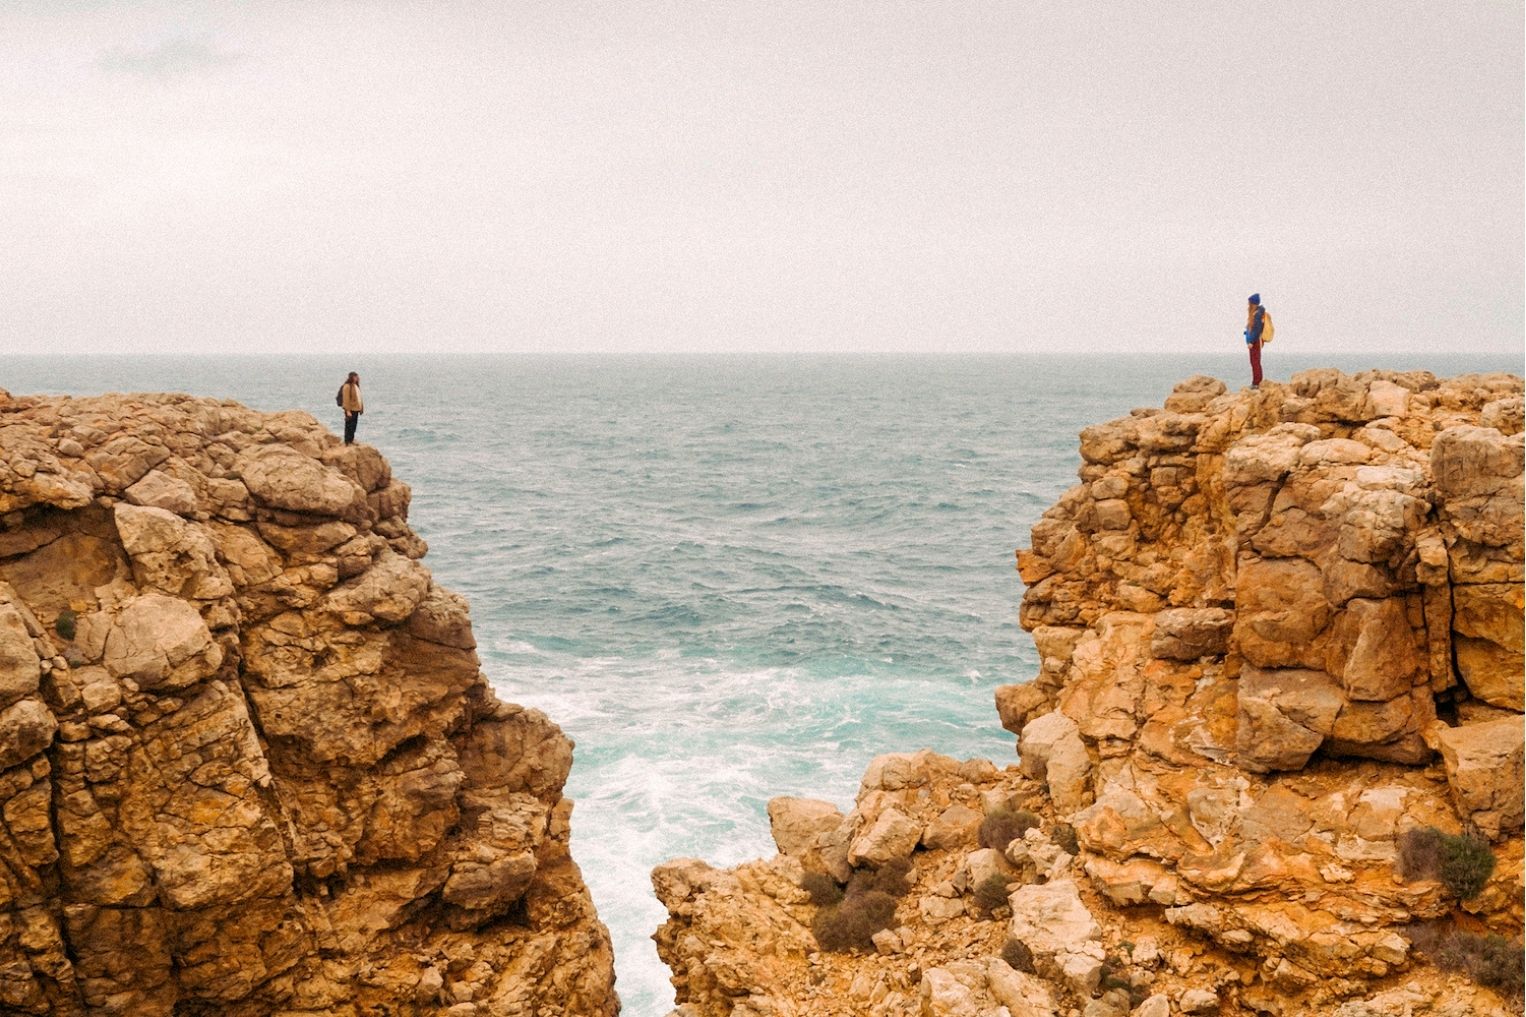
{"x":172,"y":58}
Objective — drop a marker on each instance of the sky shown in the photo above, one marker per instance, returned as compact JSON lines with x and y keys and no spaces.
{"x":814,"y":175}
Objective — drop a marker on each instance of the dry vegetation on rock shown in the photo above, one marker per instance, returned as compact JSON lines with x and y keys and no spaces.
{"x":1279,"y":630}
{"x":248,"y":764}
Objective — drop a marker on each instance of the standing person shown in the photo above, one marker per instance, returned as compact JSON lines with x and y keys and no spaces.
{"x":352,"y":404}
{"x":1258,"y":330}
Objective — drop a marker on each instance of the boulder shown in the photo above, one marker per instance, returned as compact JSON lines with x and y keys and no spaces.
{"x":892,"y":836}
{"x":20,"y":669}
{"x":1280,"y":611}
{"x":281,"y":477}
{"x":1485,"y":773}
{"x":161,"y":642}
{"x":1050,"y":920}
{"x":1284,"y":716}
{"x":1194,"y":394}
{"x":1374,"y":651}
{"x":26,"y":728}
{"x":1487,"y":624}
{"x":170,"y":555}
{"x":1051,"y":749}
{"x":797,"y":824}
{"x":1022,"y":994}
{"x":160,"y":490}
{"x":1469,"y":461}
{"x":897,"y":771}
{"x":955,"y":826}
{"x":386,"y":593}
{"x":943,"y":994}
{"x":441,"y":617}
{"x":1187,"y":633}
{"x":1198,"y":1001}
{"x":983,"y":863}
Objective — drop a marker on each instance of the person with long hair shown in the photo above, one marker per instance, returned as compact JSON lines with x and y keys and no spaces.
{"x":1258,"y":332}
{"x":352,"y":404}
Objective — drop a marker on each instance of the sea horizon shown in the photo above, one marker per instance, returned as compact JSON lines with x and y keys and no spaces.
{"x":724,"y":584}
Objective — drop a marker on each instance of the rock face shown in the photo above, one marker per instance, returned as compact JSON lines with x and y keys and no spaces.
{"x":248,"y":763}
{"x":1278,"y":629}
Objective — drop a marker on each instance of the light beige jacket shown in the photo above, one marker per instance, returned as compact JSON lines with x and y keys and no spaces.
{"x":352,"y":401}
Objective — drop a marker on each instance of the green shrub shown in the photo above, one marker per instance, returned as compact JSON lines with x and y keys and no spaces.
{"x":991,"y":893}
{"x":1466,"y":865}
{"x":1114,"y":976}
{"x":66,"y":623}
{"x":1004,"y":825}
{"x":1065,"y":836}
{"x":824,"y":890}
{"x":1018,"y":956}
{"x":1496,"y":962}
{"x":1490,"y":960}
{"x":851,"y":924}
{"x":1463,"y":863}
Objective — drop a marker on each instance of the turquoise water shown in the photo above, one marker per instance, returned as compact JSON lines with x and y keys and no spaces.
{"x":726,"y":578}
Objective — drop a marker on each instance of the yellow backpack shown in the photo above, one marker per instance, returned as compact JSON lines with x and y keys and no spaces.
{"x":1266,"y":326}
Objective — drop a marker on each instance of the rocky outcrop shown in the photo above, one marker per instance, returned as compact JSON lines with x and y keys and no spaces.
{"x":1277,"y":630}
{"x":248,"y":762}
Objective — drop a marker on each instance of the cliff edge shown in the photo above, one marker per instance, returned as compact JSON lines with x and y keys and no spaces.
{"x":248,"y":762}
{"x":1271,"y":764}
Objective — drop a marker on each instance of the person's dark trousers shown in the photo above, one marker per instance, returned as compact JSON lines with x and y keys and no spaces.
{"x":1255,"y":368}
{"x":351,"y":419}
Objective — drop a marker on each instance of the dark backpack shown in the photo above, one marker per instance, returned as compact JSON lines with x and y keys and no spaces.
{"x":339,"y":396}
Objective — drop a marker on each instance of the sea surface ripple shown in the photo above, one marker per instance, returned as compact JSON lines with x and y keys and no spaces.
{"x":727,"y":578}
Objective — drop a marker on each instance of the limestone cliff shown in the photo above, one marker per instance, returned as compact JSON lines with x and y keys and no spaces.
{"x":1279,"y":630}
{"x":248,"y":764}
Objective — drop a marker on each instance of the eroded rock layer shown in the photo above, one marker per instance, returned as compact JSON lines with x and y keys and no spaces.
{"x":1279,"y":629}
{"x":248,"y":763}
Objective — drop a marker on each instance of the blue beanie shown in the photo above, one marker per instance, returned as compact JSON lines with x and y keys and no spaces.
{"x":1255,"y":298}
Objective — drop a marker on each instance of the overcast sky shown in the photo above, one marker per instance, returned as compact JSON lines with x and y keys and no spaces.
{"x":810,"y":175}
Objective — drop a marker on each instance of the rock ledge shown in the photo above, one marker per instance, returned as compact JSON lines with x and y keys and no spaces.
{"x":248,"y":763}
{"x":1278,"y":629}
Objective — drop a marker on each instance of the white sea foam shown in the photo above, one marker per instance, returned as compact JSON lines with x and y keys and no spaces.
{"x":686,"y":767}
{"x":727,"y":579}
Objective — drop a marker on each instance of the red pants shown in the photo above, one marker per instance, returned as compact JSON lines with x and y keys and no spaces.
{"x":1255,"y":363}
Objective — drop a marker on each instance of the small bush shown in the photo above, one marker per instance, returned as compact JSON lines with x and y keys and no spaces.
{"x":65,"y":624}
{"x":891,"y":878}
{"x":1462,"y":863}
{"x":1018,"y":956}
{"x":1466,"y":865}
{"x":1491,"y":960}
{"x":824,"y":890}
{"x":1420,"y":853}
{"x":992,"y":892}
{"x":851,"y":925}
{"x":1496,"y":962}
{"x":1065,"y":836}
{"x":1114,"y":976}
{"x":1004,"y":825}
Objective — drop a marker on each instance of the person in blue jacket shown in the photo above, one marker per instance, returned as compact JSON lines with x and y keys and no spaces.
{"x":1255,"y":326}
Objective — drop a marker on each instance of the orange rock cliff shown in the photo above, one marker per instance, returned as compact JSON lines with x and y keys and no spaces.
{"x":248,"y":762}
{"x":1281,"y":646}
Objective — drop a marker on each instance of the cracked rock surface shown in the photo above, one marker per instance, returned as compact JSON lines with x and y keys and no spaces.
{"x":248,"y":762}
{"x":1278,"y":629}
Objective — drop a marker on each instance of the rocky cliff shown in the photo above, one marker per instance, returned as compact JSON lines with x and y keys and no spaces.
{"x":1281,"y":644}
{"x":248,"y":764}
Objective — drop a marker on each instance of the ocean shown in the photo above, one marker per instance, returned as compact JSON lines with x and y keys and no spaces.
{"x":726,"y":577}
